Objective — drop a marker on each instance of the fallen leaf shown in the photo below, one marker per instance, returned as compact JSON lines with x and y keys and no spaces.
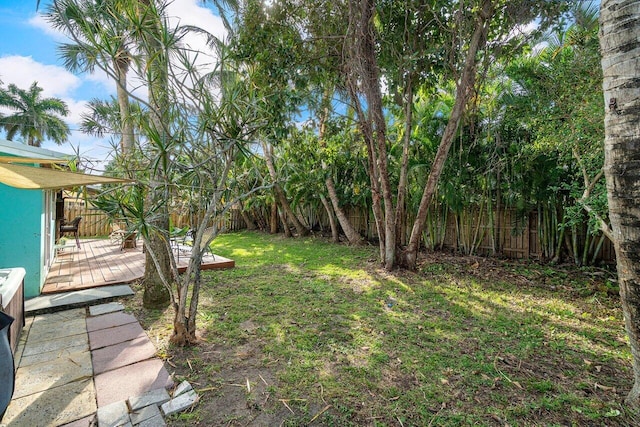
{"x":604,"y":387}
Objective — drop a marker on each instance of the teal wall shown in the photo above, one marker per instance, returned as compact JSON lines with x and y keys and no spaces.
{"x":22,"y":216}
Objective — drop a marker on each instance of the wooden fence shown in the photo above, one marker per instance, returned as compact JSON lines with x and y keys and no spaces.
{"x":96,"y":223}
{"x":509,"y":235}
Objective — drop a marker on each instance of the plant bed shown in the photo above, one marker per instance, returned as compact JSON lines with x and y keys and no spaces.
{"x":305,"y":332}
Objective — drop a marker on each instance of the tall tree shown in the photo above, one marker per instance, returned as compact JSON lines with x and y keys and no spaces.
{"x":272,"y":51}
{"x":363,"y":76}
{"x":98,"y":35}
{"x":33,"y":117}
{"x":197,"y":123}
{"x":464,"y":90}
{"x":620,"y":47}
{"x":352,"y":235}
{"x":106,"y":35}
{"x":411,"y":50}
{"x":156,"y":41}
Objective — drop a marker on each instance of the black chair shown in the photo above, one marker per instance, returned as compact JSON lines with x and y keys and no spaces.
{"x":71,"y":227}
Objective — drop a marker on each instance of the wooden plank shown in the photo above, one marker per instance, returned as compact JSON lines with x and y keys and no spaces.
{"x":99,"y":262}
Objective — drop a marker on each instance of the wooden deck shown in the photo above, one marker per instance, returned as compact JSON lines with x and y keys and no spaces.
{"x":99,"y":262}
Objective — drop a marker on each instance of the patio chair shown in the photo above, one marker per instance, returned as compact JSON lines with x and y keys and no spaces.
{"x":71,"y":227}
{"x":184,"y":246}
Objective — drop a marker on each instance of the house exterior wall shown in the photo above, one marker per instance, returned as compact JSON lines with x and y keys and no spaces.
{"x":22,"y":227}
{"x":27,"y":222}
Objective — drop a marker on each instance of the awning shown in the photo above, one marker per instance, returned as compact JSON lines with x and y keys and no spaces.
{"x":49,"y":179}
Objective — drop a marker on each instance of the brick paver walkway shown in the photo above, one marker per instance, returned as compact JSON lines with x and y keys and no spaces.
{"x":73,"y":363}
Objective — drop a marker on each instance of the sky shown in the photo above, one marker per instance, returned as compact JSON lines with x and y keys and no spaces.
{"x":28,"y":53}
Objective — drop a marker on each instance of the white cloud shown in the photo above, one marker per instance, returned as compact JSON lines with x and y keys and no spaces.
{"x":189,"y":12}
{"x":101,"y":78}
{"x":76,"y":108}
{"x":23,"y":71}
{"x":38,"y":21}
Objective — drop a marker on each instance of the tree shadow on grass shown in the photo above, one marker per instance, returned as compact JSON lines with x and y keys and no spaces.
{"x":447,"y":348}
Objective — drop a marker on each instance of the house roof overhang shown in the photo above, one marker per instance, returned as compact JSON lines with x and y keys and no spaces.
{"x":16,"y":149}
{"x":38,"y":160}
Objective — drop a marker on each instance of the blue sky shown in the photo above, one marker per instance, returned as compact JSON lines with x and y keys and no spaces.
{"x":28,"y":53}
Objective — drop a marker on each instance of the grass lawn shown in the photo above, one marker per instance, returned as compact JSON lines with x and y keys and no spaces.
{"x":305,"y":332}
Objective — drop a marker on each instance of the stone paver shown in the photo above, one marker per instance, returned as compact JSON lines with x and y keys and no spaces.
{"x":64,"y":301}
{"x":37,"y":358}
{"x":80,"y":340}
{"x":96,"y":310}
{"x":61,"y":316}
{"x":122,"y":354}
{"x":144,"y":414}
{"x":53,"y":407}
{"x":153,"y":397}
{"x":61,"y":382}
{"x":109,"y":321}
{"x":180,"y":403}
{"x":183,"y":387}
{"x":56,"y":328}
{"x":156,"y":421}
{"x":116,"y":335}
{"x":89,"y":421}
{"x":114,"y":414}
{"x":132,"y":380}
{"x":53,"y":373}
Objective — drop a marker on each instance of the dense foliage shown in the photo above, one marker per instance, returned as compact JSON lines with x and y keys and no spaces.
{"x":529,"y":139}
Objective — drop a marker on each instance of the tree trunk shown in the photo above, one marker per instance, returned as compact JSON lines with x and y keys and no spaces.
{"x":370,"y":75}
{"x":184,"y":323}
{"x":620,"y":47}
{"x":362,"y":72}
{"x":155,"y":292}
{"x":353,"y":236}
{"x":463,"y":93}
{"x":279,"y":193}
{"x":121,"y":65}
{"x":285,"y":225}
{"x":273,"y":218}
{"x":248,"y":219}
{"x":335,"y":236}
{"x":401,"y":203}
{"x":376,"y":207}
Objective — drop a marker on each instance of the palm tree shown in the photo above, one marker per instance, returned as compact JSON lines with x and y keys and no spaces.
{"x":34,"y":118}
{"x":118,"y":36}
{"x":99,"y":38}
{"x":621,"y":86}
